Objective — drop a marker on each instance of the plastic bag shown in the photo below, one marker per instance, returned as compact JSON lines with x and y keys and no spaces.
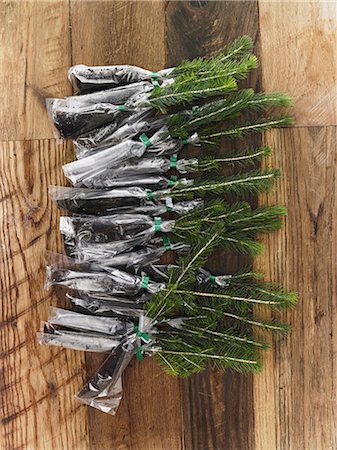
{"x":94,"y":78}
{"x":81,"y":171}
{"x":106,"y":253}
{"x":96,"y":201}
{"x":203,"y":276}
{"x":163,"y":144}
{"x":126,"y":201}
{"x":104,"y":389}
{"x":163,"y":206}
{"x":92,"y":229}
{"x":103,"y":136}
{"x":152,"y":165}
{"x":104,"y":228}
{"x":159,"y":272}
{"x":83,"y":322}
{"x":154,"y":182}
{"x":75,"y":115}
{"x":131,"y":129}
{"x":107,"y":306}
{"x":90,"y":278}
{"x":76,"y":340}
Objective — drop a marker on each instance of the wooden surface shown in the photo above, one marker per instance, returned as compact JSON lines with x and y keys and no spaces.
{"x":292,"y":404}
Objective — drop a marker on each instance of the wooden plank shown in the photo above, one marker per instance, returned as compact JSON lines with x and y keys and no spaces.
{"x":216,"y":406}
{"x":33,"y":65}
{"x":122,"y":32}
{"x":295,"y":398}
{"x":129,"y":32}
{"x":299,"y":52}
{"x":38,"y":383}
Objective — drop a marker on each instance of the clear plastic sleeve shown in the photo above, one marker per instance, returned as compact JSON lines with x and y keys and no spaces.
{"x":62,"y":271}
{"x":115,"y":227}
{"x":106,"y":306}
{"x":80,"y":172}
{"x":167,"y":205}
{"x":159,"y":272}
{"x":102,"y":137}
{"x":131,"y":129}
{"x":164,"y":145}
{"x":96,"y":201}
{"x":105,"y":253}
{"x":76,"y":340}
{"x":203,"y":276}
{"x":117,"y":201}
{"x":75,"y":115}
{"x":103,"y":390}
{"x":83,"y":322}
{"x":150,"y":165}
{"x":94,"y":78}
{"x":105,"y":180}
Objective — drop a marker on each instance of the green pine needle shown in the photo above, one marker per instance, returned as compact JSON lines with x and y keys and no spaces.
{"x":212,"y":137}
{"x":190,"y":87}
{"x":254,"y":181}
{"x":243,"y":158}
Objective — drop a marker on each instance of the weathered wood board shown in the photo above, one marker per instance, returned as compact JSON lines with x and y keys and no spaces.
{"x":289,"y":406}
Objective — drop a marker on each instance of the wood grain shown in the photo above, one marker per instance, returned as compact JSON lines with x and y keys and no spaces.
{"x":216,"y":406}
{"x":150,"y":413}
{"x":118,"y":32}
{"x":38,"y":408}
{"x":295,"y":398}
{"x":289,"y":406}
{"x":299,"y":53}
{"x":34,"y":59}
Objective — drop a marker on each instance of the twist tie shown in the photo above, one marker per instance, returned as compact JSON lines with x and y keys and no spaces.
{"x":144,"y":282}
{"x":185,"y":141}
{"x":166,"y":242}
{"x":157,"y":224}
{"x":172,"y":181}
{"x":145,"y":337}
{"x":149,"y":195}
{"x":194,"y":110}
{"x":121,"y":107}
{"x":212,"y":279}
{"x":139,"y":353}
{"x":173,"y":161}
{"x":154,"y":75}
{"x":155,"y":83}
{"x":146,"y":141}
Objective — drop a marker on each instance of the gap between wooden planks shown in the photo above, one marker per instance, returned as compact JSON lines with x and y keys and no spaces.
{"x":291,"y":404}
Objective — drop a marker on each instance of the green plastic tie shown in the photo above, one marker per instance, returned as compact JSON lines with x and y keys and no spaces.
{"x":157,"y":224}
{"x":154,"y":75}
{"x":144,"y":336}
{"x":172,"y":181}
{"x":185,"y":141}
{"x":166,"y":242}
{"x":145,"y":282}
{"x":149,"y":195}
{"x":173,"y":161}
{"x":139,"y":353}
{"x":121,"y":107}
{"x":155,"y":84}
{"x":146,"y":141}
{"x":212,"y":279}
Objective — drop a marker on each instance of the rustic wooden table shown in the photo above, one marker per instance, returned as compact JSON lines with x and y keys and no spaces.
{"x":292,"y":404}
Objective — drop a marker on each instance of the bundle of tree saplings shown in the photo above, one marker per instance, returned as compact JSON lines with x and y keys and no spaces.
{"x":135,"y":197}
